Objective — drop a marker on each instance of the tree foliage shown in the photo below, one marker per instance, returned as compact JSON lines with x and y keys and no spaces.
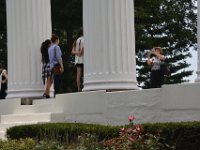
{"x":3,"y":52}
{"x":170,"y":24}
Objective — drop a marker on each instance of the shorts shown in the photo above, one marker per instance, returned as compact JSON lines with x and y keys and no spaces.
{"x":79,"y":65}
{"x":46,"y":72}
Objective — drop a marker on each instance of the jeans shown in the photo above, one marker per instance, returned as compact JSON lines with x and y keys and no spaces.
{"x":157,"y":79}
{"x":57,"y":81}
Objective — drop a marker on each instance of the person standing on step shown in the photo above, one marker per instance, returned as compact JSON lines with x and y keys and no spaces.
{"x":46,"y":70}
{"x":3,"y":82}
{"x":78,"y":51}
{"x":157,"y":77}
{"x":55,"y":58}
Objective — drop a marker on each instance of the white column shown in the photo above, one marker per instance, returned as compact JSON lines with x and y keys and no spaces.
{"x":109,"y":56}
{"x":28,"y":24}
{"x":198,"y":42}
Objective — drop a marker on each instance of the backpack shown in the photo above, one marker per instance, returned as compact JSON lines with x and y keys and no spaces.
{"x":165,"y":69}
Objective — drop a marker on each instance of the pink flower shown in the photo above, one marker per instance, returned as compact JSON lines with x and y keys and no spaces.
{"x":138,"y":127}
{"x":122,"y":129}
{"x":134,"y":130}
{"x":131,"y":118}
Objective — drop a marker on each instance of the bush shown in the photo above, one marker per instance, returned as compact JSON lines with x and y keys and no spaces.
{"x":183,"y":135}
{"x":30,"y":144}
{"x":63,"y":132}
{"x":27,"y":144}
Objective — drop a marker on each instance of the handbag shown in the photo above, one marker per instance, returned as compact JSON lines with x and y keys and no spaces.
{"x":165,"y":70}
{"x":57,"y":68}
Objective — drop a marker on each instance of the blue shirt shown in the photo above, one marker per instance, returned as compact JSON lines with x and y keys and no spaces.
{"x":52,"y":58}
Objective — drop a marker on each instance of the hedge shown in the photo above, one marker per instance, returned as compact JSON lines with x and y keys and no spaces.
{"x":67,"y":132}
{"x":183,"y":135}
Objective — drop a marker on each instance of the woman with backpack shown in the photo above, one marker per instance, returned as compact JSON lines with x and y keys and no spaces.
{"x":157,"y":77}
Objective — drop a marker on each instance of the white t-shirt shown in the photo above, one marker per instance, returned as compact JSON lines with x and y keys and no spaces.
{"x":79,"y":46}
{"x":2,"y":73}
{"x":156,"y":63}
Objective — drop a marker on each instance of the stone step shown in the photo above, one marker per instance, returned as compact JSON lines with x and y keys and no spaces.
{"x":43,"y":101}
{"x":32,"y":118}
{"x":22,"y":109}
{"x":47,"y":105}
{"x":38,"y":106}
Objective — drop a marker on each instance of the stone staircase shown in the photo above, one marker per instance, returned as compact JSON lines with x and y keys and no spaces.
{"x":41,"y":111}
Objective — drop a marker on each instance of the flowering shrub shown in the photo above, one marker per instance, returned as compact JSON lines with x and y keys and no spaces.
{"x":133,"y":137}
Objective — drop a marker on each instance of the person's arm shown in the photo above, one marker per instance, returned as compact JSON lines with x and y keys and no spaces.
{"x":73,"y":51}
{"x":59,"y":57}
{"x":61,"y":64}
{"x":149,"y":60}
{"x":80,"y":53}
{"x":160,"y":56}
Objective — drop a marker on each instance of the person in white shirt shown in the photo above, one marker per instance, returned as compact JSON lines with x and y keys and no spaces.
{"x":3,"y":82}
{"x":78,"y":51}
{"x":157,"y":77}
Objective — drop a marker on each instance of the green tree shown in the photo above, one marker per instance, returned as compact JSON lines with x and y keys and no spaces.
{"x":3,"y":41}
{"x":170,"y":24}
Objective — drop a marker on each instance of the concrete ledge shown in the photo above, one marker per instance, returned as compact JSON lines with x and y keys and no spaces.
{"x":181,"y":97}
{"x":8,"y":106}
{"x":170,"y":103}
{"x":32,"y":118}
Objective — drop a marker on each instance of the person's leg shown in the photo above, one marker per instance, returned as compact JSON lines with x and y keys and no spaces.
{"x":160,"y":79}
{"x":78,"y":77}
{"x":153,"y":79}
{"x":57,"y":80}
{"x":3,"y":92}
{"x":82,"y":78}
{"x":48,"y":86}
{"x":1,"y":95}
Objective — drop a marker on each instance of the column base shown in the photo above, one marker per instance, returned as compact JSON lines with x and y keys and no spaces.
{"x":24,"y":93}
{"x":112,"y":86}
{"x":198,"y":77}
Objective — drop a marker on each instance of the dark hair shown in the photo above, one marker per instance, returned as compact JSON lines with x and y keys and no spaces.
{"x":80,"y":33}
{"x":54,"y":38}
{"x":44,"y":50}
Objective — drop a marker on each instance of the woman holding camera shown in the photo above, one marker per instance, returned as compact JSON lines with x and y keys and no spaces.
{"x":157,"y":78}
